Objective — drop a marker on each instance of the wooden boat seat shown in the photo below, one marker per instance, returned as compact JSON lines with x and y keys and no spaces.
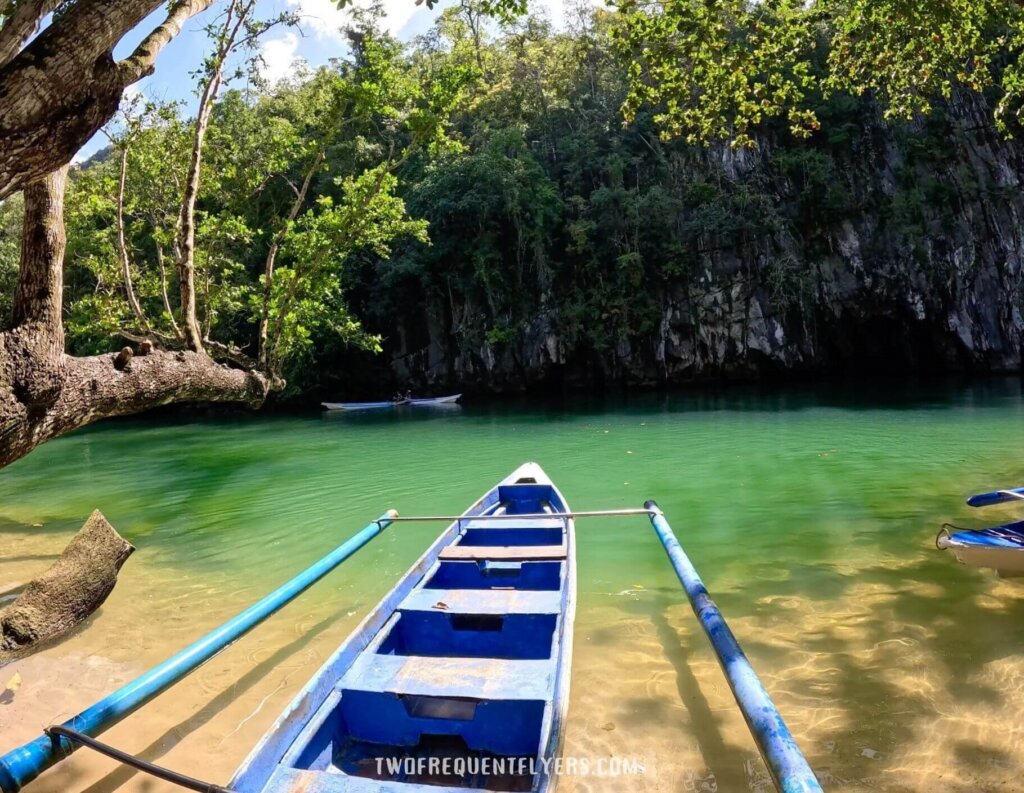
{"x":467,"y":678}
{"x":483,"y":601}
{"x":503,"y":552}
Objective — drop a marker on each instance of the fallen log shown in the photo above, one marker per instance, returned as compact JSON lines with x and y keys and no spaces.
{"x":67,"y":593}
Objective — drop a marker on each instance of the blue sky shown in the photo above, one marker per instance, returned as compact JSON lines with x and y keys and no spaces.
{"x":317,"y":39}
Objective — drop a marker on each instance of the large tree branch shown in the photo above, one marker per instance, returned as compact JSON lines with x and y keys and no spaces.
{"x":45,"y":393}
{"x":62,"y":87}
{"x":93,"y":389}
{"x":22,"y":23}
{"x":142,"y":61}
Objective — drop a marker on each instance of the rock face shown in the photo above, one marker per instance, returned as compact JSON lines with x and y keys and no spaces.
{"x":911,"y":261}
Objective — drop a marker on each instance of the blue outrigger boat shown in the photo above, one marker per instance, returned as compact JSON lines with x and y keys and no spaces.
{"x":457,"y":681}
{"x":466,"y":660}
{"x":998,"y":547}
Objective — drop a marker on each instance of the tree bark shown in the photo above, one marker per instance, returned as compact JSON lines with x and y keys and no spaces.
{"x":45,"y":393}
{"x":58,"y":91}
{"x":62,"y":87}
{"x":31,"y":355}
{"x":67,"y":593}
{"x":37,"y":298}
{"x":23,"y":22}
{"x":92,"y":389}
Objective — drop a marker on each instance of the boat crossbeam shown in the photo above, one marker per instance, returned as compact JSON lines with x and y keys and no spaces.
{"x":789,"y":769}
{"x":599,"y":513}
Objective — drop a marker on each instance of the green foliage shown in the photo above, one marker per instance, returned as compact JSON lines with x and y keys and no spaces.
{"x":484,"y":178}
{"x":341,"y":132}
{"x":715,"y":69}
{"x":10,"y":254}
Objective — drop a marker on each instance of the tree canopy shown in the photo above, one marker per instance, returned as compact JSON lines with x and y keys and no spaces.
{"x":716,"y":69}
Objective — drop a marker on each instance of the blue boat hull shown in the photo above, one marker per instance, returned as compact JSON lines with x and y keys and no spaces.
{"x":424,"y":402}
{"x":363,"y":405}
{"x":998,"y":547}
{"x":458,"y":680}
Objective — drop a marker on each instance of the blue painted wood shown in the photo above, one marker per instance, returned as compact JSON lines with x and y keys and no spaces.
{"x":1008,"y":535}
{"x":20,"y":766}
{"x":781,"y":754}
{"x":451,"y":653}
{"x":988,"y":499}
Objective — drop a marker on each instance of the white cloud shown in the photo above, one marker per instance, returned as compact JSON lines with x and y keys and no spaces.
{"x":279,"y":57}
{"x":560,"y":12}
{"x":325,"y":19}
{"x":132,"y":91}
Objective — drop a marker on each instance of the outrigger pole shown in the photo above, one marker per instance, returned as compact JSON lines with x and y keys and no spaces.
{"x":20,"y":766}
{"x":785,"y":761}
{"x":788,"y":767}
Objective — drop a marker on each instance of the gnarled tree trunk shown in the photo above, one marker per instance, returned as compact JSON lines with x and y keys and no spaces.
{"x":56,"y":91}
{"x":59,"y":90}
{"x":45,"y":393}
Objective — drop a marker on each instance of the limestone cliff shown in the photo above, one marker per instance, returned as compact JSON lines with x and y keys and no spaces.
{"x":906,"y":254}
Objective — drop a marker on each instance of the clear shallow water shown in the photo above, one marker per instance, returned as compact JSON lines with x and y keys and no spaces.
{"x":811,"y":515}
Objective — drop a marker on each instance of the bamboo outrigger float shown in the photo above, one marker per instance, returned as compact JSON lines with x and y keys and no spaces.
{"x":469,"y":654}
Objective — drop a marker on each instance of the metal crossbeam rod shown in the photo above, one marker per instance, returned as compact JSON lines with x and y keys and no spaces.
{"x":599,"y":513}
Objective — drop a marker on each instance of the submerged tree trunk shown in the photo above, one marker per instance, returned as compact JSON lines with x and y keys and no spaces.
{"x":71,"y":590}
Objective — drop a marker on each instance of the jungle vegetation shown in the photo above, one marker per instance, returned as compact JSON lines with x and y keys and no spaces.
{"x":227,"y":252}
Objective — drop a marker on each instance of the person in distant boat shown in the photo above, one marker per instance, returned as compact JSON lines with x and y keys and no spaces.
{"x":398,"y":397}
{"x":408,"y":394}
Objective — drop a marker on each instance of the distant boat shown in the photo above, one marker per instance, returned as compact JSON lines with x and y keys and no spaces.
{"x":998,"y":547}
{"x":465,"y":661}
{"x":443,"y":400}
{"x":363,"y":405}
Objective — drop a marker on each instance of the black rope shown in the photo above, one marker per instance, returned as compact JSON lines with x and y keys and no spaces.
{"x":123,"y":757}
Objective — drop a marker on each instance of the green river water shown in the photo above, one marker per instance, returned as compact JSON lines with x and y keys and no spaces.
{"x":810,"y":513}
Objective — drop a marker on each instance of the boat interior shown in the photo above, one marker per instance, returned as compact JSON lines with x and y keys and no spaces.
{"x":465,"y":668}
